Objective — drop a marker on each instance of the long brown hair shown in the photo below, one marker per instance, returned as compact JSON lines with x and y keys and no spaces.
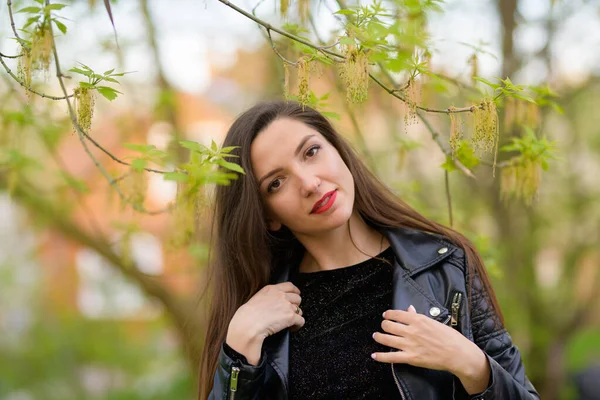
{"x":246,"y":251}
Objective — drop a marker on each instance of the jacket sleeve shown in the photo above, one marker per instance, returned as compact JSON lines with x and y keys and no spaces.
{"x":508,"y":379}
{"x":250,"y":378}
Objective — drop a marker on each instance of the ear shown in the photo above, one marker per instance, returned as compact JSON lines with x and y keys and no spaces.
{"x":273,"y":225}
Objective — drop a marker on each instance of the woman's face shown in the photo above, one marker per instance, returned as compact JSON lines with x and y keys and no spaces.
{"x":303,"y":181}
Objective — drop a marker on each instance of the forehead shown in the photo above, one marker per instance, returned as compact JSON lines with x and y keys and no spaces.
{"x":277,"y":143}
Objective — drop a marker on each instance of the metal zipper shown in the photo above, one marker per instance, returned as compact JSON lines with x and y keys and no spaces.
{"x":455,"y":308}
{"x":398,"y":383}
{"x":233,"y":382}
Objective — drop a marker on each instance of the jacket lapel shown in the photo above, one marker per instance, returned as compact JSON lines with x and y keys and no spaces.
{"x":415,"y":251}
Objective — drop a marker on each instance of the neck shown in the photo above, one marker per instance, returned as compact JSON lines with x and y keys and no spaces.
{"x":335,"y":249}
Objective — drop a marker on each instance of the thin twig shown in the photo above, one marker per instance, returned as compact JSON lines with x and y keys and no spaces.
{"x":6,"y":56}
{"x":448,"y":196}
{"x":81,"y":135}
{"x":20,"y":82}
{"x":436,"y":137}
{"x":14,"y":28}
{"x":285,"y":60}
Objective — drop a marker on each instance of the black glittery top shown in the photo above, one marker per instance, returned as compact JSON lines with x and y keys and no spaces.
{"x":330,"y":357}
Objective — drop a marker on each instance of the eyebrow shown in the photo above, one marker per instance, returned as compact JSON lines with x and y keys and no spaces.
{"x":300,"y":146}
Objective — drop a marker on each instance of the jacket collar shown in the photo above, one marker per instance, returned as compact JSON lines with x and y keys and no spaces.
{"x":417,"y":250}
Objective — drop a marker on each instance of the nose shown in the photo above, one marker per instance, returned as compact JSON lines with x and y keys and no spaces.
{"x":309,"y":184}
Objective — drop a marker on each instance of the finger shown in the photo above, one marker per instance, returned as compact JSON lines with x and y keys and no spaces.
{"x":400,"y":316}
{"x":298,"y":323}
{"x":412,"y":309}
{"x":293,"y":298}
{"x":396,"y":357}
{"x":296,"y":309}
{"x":394,"y":328}
{"x":396,"y":342}
{"x":288,"y":287}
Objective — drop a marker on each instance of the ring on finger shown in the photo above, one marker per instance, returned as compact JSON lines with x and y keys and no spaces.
{"x":298,"y":309}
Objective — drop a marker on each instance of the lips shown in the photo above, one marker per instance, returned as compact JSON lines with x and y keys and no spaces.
{"x":324,"y":203}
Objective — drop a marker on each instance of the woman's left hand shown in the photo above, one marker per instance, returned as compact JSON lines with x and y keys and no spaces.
{"x":427,"y":343}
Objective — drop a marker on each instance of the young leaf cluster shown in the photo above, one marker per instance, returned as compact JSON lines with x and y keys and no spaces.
{"x":95,"y":79}
{"x":206,"y":165}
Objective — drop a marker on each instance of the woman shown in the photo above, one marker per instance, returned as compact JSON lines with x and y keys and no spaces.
{"x":311,"y":250}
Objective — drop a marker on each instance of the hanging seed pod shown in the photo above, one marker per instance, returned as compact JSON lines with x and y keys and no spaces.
{"x":354,"y":72}
{"x":474,"y":63}
{"x":303,"y":80}
{"x":521,"y":180}
{"x":41,"y":48}
{"x":284,"y":5}
{"x":532,"y":115}
{"x":24,"y":69}
{"x":303,"y":8}
{"x":85,"y":99}
{"x":184,"y":219}
{"x":410,"y":104}
{"x":286,"y":81}
{"x":509,"y":113}
{"x":485,"y":134}
{"x":456,"y":131}
{"x":135,"y":187}
{"x":508,"y":183}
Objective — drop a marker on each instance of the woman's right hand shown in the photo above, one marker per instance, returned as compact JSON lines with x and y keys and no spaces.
{"x":272,"y":309}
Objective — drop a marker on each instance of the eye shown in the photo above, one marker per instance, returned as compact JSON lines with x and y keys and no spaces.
{"x":274,"y":185}
{"x":312,"y":151}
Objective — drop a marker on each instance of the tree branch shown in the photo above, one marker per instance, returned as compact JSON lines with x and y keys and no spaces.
{"x":14,"y":28}
{"x":82,"y":136}
{"x":16,"y":79}
{"x":325,"y":50}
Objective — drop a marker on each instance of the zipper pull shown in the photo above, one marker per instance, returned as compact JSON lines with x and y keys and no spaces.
{"x":455,"y":308}
{"x":233,"y":382}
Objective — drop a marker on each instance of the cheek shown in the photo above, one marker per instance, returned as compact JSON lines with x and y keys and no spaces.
{"x":283,"y":206}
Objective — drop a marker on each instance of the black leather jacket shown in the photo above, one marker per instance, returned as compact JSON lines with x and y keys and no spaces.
{"x":431,"y":274}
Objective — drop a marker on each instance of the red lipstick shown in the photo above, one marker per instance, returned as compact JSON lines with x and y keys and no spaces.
{"x":324,"y":203}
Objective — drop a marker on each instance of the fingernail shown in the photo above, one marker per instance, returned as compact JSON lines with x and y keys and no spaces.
{"x":373,"y":335}
{"x":383,"y":315}
{"x":374,"y":356}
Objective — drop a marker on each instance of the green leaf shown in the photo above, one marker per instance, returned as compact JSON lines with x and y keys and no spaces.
{"x":523,"y":97}
{"x":110,"y":71}
{"x":485,"y":81}
{"x":448,"y":165}
{"x":111,"y":80}
{"x":194,"y":146}
{"x":330,"y":114}
{"x":31,"y":21}
{"x":55,"y":7}
{"x":31,"y":10}
{"x":347,"y":40}
{"x":80,"y":71}
{"x":213,"y":146}
{"x":229,"y":149}
{"x":345,"y":12}
{"x":176,"y":176}
{"x":230,"y":166}
{"x":138,"y":164}
{"x":108,"y":92}
{"x":86,"y":85}
{"x":142,"y":148}
{"x":62,"y":27}
{"x":76,"y":184}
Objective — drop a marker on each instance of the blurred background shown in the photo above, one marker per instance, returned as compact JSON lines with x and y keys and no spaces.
{"x":100,"y":301}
